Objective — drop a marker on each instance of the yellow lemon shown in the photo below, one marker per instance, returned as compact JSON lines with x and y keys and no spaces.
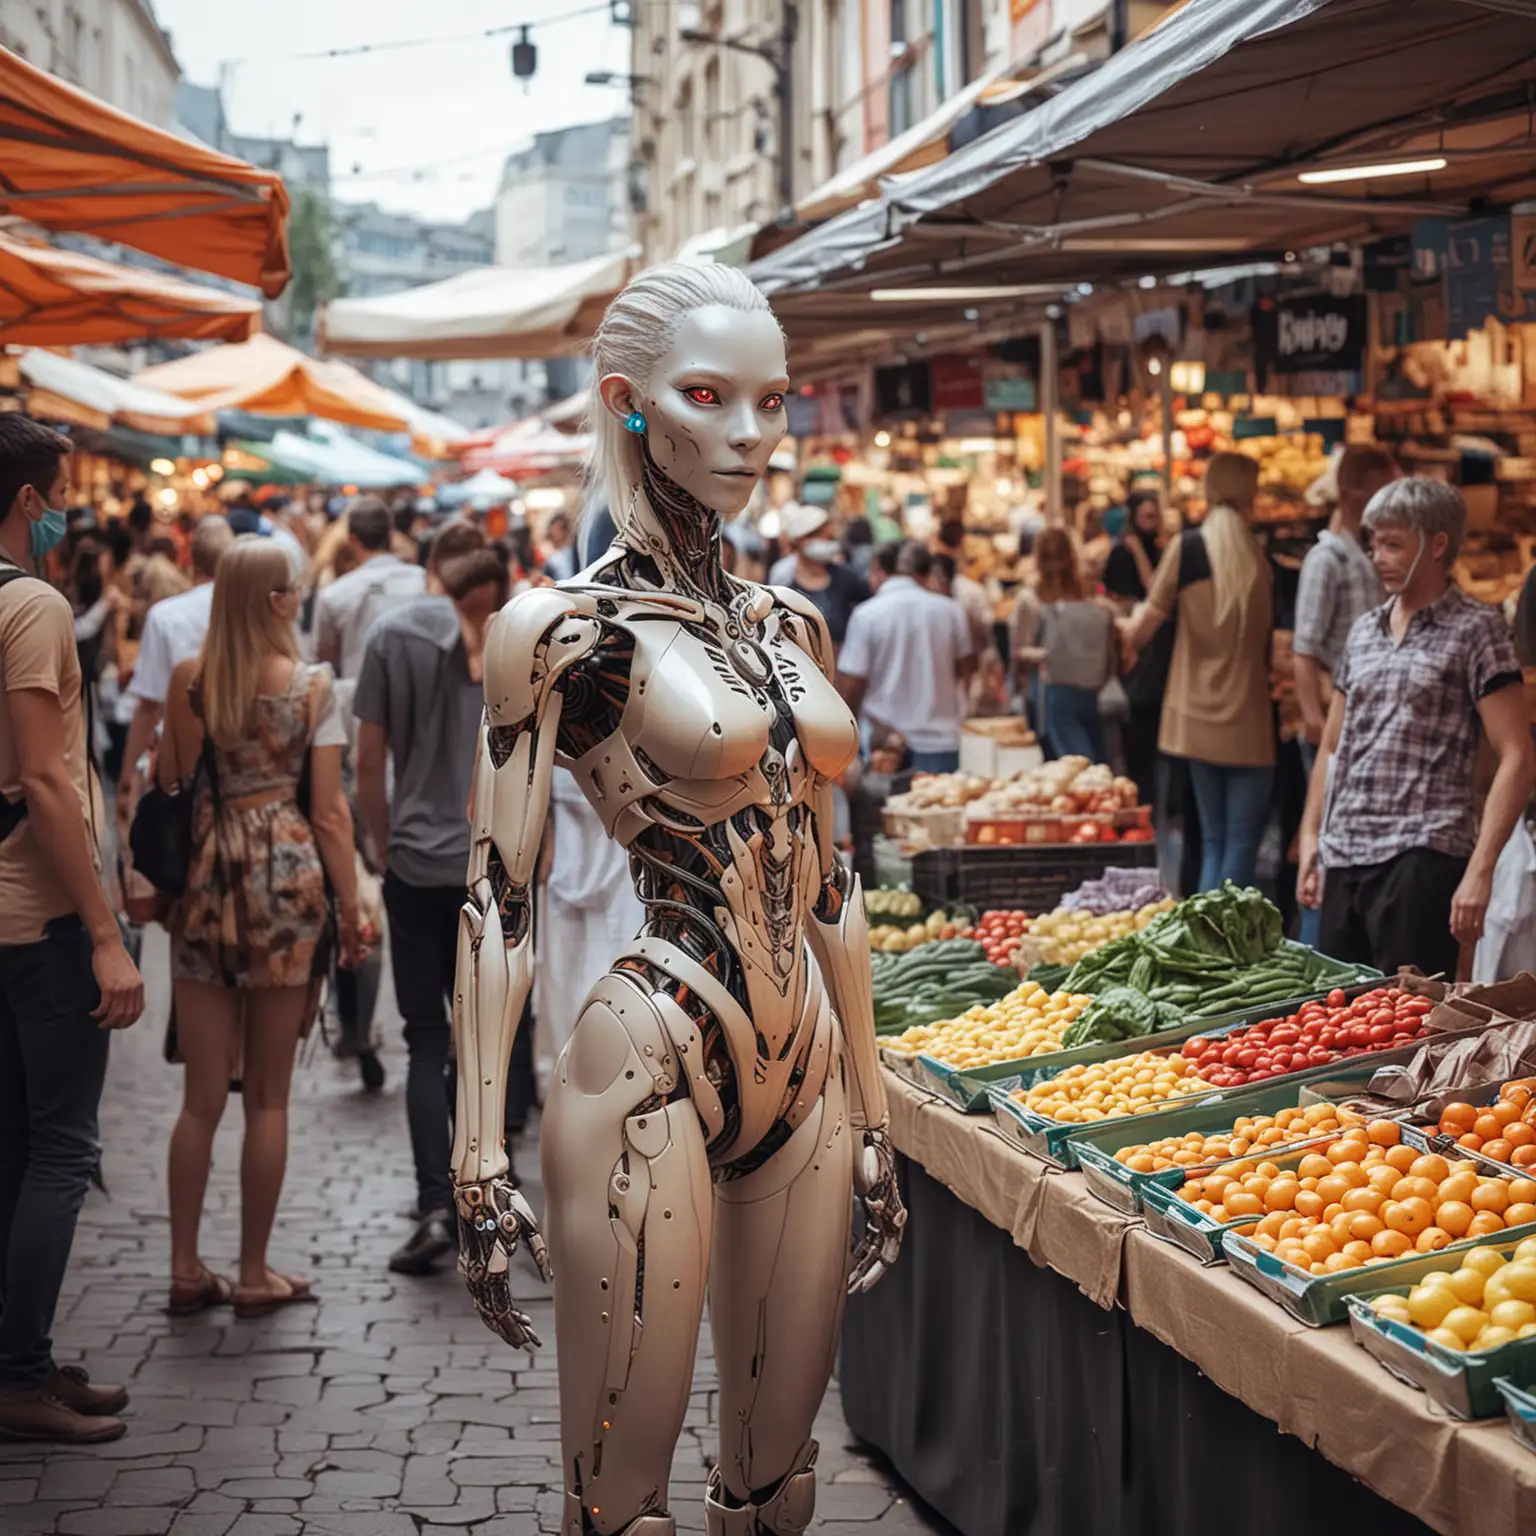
{"x":1430,"y":1305}
{"x":1465,"y":1322}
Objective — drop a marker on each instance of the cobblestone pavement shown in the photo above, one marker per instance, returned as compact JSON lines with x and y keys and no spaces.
{"x":386,"y":1410}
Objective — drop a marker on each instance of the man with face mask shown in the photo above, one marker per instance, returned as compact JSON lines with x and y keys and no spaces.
{"x":65,"y":977}
{"x":816,"y":569}
{"x":1390,"y":847}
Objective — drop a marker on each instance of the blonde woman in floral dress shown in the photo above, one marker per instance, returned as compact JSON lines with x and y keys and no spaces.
{"x":249,"y":936}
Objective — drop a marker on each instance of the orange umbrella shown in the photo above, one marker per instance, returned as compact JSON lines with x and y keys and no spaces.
{"x":71,"y":162}
{"x":54,"y":298}
{"x":269,"y":378}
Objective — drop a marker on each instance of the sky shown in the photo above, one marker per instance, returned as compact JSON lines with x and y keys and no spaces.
{"x":421,"y":129}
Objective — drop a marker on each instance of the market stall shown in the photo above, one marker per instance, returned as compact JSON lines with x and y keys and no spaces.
{"x":1158,"y":1159}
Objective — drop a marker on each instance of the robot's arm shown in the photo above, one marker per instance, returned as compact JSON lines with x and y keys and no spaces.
{"x":532,"y":642}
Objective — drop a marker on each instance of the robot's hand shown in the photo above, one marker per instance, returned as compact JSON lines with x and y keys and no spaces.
{"x":493,"y":1219}
{"x":874,"y":1181}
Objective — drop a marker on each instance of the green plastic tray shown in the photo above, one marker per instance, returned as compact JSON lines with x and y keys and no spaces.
{"x":1092,"y":1148}
{"x":1169,"y":1216}
{"x":1318,"y":1300}
{"x":1520,"y":1406}
{"x":1051,"y":1139}
{"x":971,"y":1083}
{"x":1461,"y":1382}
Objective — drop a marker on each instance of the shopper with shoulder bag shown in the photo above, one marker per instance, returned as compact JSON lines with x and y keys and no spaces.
{"x":66,"y":979}
{"x":248,"y":932}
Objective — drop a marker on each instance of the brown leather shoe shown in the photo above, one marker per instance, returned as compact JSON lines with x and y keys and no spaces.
{"x":73,"y":1388}
{"x":38,"y":1413}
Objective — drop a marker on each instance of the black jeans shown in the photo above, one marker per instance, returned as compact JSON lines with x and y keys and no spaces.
{"x":424,"y":944}
{"x":1394,"y":914}
{"x":53,"y":1062}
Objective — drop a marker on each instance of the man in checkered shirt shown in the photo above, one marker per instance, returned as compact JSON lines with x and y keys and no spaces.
{"x":1390,"y":846}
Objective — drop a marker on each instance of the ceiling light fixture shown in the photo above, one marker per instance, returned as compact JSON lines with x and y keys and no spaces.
{"x":958,"y":295}
{"x":1371,"y":172}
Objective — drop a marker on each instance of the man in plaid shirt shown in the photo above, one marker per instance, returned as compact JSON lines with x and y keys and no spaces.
{"x":1390,"y":847}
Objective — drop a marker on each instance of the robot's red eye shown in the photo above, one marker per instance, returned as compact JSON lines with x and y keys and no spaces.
{"x":771,"y":403}
{"x":702,"y":394}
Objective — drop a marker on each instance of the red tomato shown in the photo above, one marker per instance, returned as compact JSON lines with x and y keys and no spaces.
{"x":1336,"y":998}
{"x":1381,"y":1034}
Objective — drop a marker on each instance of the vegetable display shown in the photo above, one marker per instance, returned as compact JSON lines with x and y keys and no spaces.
{"x":1108,"y":1090}
{"x":1316,"y":1034}
{"x":1116,"y":890}
{"x":1000,"y":932}
{"x":898,"y":938}
{"x":936,"y":981}
{"x":1221,"y":952}
{"x":1487,"y":1301}
{"x":1027,"y":1022}
{"x":1121,"y":1014}
{"x":1249,"y":1133}
{"x":1504,"y":1130}
{"x":1363,"y":1199}
{"x":1073,"y":933}
{"x":880,"y":902}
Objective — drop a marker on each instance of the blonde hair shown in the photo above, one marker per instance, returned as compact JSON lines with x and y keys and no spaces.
{"x":162,"y":579}
{"x":636,"y":331}
{"x":1237,"y":565}
{"x":243,"y":630}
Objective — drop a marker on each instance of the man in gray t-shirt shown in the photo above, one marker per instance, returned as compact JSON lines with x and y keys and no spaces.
{"x":419,"y":701}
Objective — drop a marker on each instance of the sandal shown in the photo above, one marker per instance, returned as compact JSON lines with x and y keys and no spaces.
{"x":189,"y":1297}
{"x":253,"y":1304}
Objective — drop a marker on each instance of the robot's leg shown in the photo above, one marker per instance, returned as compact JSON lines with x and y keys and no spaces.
{"x":777,"y":1280}
{"x":628,"y":1222}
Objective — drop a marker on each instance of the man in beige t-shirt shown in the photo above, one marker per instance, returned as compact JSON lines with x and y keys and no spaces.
{"x":65,"y":977}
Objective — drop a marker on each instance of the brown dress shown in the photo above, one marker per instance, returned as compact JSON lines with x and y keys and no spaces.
{"x":254,"y":913}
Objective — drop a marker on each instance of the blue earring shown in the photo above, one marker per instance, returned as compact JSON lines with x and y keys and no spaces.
{"x":635,"y":423}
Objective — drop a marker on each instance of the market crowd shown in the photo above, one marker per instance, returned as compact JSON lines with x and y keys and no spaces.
{"x":315,"y":668}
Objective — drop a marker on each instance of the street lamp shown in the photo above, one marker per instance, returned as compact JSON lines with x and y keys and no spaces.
{"x":780,"y":58}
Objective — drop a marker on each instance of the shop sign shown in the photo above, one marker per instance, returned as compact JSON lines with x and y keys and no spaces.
{"x":1480,"y":282}
{"x":1319,"y":333}
{"x":904,"y":389}
{"x":1029,"y":27}
{"x":956,"y":382}
{"x":1522,"y":247}
{"x":1011,"y":394}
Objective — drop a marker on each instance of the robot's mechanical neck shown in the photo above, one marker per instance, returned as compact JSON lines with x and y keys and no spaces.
{"x":676,"y":531}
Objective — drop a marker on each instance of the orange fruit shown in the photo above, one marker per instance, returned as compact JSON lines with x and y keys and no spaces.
{"x":1490,"y":1195}
{"x":1331,"y":1191}
{"x":1366,"y":1199}
{"x":1339,"y":1226}
{"x":1454,"y":1216}
{"x":1332,"y":1212}
{"x":1485,"y":1223}
{"x":1240,"y":1202}
{"x":1430,"y":1166}
{"x":1519,"y":1213}
{"x":1487,"y":1126}
{"x":1390,"y":1245}
{"x":1504,"y":1111}
{"x":1384,"y":1133}
{"x":1471,"y":1141}
{"x":1498,"y":1149}
{"x":1524,"y":1157}
{"x":1401,"y":1158}
{"x":1364,"y":1226}
{"x":1382,"y":1177}
{"x":1522,"y":1191}
{"x":1432,"y":1239}
{"x":1314,"y":1166}
{"x":1318,"y":1245}
{"x":1335,"y":1262}
{"x":1281,"y":1195}
{"x":1293,"y":1226}
{"x":1457,"y":1119}
{"x":1516,"y":1093}
{"x":1458,"y":1187}
{"x":1520,"y":1134}
{"x":1309,"y":1203}
{"x":1359,"y":1251}
{"x":1410,"y":1216}
{"x":1410,"y":1188}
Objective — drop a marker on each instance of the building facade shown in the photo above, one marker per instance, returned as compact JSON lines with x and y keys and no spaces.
{"x":562,"y":198}
{"x":115,"y":49}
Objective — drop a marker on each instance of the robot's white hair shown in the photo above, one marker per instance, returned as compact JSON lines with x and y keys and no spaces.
{"x":636,"y":331}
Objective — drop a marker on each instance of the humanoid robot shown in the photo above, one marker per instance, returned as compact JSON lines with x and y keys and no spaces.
{"x":719,"y":1103}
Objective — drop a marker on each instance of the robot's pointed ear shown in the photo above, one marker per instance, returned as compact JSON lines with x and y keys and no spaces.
{"x":619,"y":396}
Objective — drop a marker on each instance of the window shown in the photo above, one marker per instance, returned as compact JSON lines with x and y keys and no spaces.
{"x":901,"y":71}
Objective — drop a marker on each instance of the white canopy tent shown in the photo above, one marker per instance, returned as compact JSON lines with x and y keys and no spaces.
{"x":487,"y":312}
{"x":481,"y":491}
{"x":65,"y":389}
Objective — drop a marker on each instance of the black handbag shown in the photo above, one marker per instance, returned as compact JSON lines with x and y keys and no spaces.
{"x":161,"y":834}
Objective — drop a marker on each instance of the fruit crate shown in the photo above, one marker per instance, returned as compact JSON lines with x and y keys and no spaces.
{"x":1031,"y":878}
{"x":1520,"y":1406}
{"x":1479,"y":1097}
{"x":968,"y":1086}
{"x":1056,"y":1140}
{"x":1171,"y":1218}
{"x":1318,"y":1300}
{"x":1093,"y":1147}
{"x":1462,"y":1382}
